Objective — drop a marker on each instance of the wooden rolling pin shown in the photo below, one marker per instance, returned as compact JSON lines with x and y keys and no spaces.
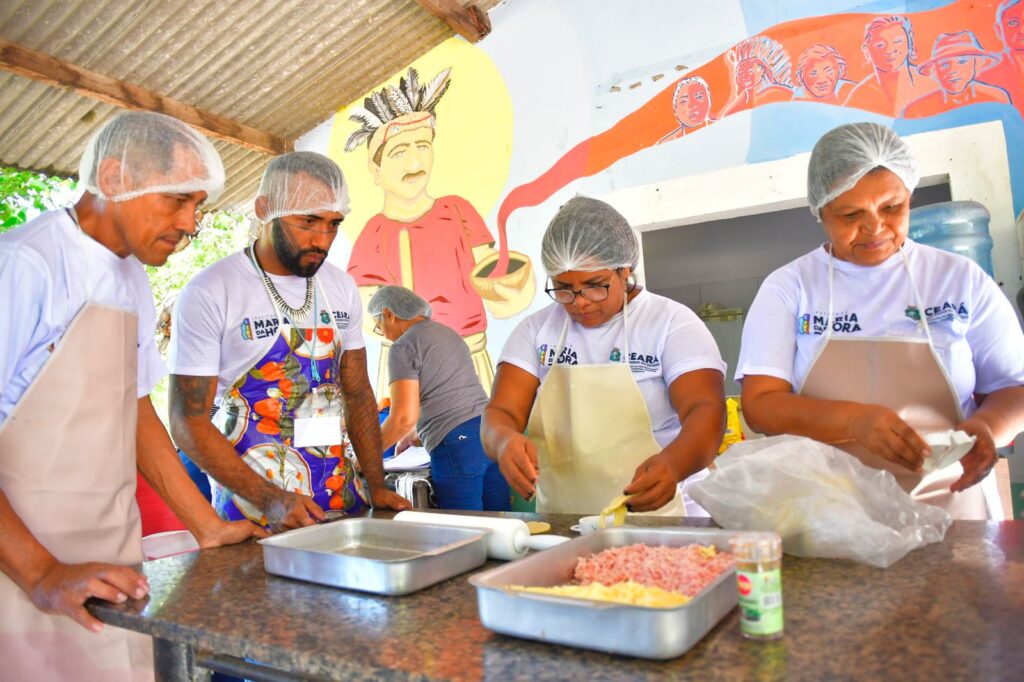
{"x":508,"y":539}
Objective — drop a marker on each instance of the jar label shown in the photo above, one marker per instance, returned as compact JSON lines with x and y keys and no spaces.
{"x":760,"y":601}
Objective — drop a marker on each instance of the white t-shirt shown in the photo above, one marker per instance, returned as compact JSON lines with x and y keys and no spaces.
{"x":48,"y":270}
{"x":973,"y":326}
{"x":224,"y":320}
{"x":666,"y":340}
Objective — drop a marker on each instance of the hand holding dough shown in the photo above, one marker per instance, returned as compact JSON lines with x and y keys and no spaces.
{"x":617,"y":509}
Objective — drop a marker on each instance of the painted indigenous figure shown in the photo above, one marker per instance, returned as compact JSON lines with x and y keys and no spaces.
{"x":889,"y":47}
{"x":691,"y":103}
{"x":434,"y":246}
{"x":761,"y":74}
{"x":956,"y":60}
{"x":821,"y":75}
{"x":1008,"y":74}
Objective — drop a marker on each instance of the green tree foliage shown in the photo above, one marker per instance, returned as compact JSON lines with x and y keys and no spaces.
{"x":24,"y":195}
{"x":223,"y":233}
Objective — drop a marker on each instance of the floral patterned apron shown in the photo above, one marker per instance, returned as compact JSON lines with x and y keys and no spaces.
{"x":257,"y":415}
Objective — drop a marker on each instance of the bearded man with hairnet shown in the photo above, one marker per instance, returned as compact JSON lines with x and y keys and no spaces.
{"x":269,"y":341}
{"x":612,"y":390}
{"x":77,"y":363}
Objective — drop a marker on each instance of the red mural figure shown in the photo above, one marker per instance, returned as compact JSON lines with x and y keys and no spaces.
{"x":889,"y":46}
{"x":761,"y":74}
{"x":757,"y":71}
{"x":691,"y":103}
{"x":956,"y":60}
{"x":436,"y":247}
{"x":1008,"y":74}
{"x":821,"y":75}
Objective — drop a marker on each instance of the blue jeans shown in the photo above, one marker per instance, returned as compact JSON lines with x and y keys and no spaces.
{"x":197,"y":475}
{"x":463,"y":476}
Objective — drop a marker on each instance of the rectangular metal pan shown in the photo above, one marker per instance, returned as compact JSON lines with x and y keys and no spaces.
{"x":375,"y":555}
{"x":639,"y":631}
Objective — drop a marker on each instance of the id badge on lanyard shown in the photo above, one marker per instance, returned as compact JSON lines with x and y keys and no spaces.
{"x":318,"y":418}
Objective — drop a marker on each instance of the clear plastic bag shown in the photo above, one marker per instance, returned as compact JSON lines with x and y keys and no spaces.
{"x":821,"y":500}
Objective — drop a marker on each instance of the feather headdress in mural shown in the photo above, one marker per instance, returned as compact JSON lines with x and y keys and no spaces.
{"x":770,"y":53}
{"x":393,"y":101}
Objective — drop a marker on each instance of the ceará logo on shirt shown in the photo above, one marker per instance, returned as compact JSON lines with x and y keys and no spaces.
{"x":638,"y":362}
{"x":946,"y":312}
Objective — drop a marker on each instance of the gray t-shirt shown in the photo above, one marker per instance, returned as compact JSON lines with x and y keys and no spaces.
{"x":450,"y":391}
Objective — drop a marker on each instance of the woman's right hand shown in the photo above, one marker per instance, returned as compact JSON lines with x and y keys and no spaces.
{"x":517,"y":462}
{"x":881,"y":431}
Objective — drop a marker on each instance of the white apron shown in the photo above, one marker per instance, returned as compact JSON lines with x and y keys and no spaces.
{"x":592,"y":430}
{"x":69,"y":471}
{"x":906,"y":376}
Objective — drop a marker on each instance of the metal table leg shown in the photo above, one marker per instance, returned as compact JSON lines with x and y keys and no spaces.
{"x":174,"y":662}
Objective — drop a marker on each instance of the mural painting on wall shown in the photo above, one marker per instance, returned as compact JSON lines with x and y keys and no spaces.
{"x":439,"y":246}
{"x":861,"y":61}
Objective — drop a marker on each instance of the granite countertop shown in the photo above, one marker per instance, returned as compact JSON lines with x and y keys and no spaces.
{"x":953,"y":610}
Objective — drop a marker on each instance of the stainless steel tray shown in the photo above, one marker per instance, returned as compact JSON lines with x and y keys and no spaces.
{"x":639,"y":631}
{"x":375,"y":555}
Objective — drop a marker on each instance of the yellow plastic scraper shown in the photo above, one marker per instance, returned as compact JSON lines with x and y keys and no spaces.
{"x":616,"y":509}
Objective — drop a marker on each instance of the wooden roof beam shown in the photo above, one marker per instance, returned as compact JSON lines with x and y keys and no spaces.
{"x":470,"y":21}
{"x":48,"y":69}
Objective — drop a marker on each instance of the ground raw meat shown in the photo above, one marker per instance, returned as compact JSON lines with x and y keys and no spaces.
{"x":680,"y":569}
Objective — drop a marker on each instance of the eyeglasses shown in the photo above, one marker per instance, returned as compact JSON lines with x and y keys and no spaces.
{"x":376,"y":327}
{"x":596,"y":293}
{"x":331,"y":231}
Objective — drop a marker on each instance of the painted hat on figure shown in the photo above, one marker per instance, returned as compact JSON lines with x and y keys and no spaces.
{"x":959,"y":44}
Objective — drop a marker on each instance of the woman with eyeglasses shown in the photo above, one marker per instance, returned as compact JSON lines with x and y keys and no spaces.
{"x":613,"y":390}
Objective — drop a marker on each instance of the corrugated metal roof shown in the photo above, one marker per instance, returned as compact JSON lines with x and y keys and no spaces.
{"x":282,"y":66}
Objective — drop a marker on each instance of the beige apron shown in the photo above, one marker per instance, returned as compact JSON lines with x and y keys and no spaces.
{"x":592,"y":430}
{"x":68,"y":469}
{"x":906,"y":376}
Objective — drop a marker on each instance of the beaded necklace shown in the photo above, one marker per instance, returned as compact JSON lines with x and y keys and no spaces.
{"x":297,"y":314}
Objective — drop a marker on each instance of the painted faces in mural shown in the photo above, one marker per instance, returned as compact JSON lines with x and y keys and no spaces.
{"x":406,"y":161}
{"x":821,"y":71}
{"x":692,"y":102}
{"x":956,"y":60}
{"x":888,"y":47}
{"x":1011,"y":27}
{"x":750,"y":73}
{"x":821,"y":77}
{"x":955,"y":73}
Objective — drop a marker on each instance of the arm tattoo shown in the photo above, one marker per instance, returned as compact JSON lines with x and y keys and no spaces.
{"x":191,"y":396}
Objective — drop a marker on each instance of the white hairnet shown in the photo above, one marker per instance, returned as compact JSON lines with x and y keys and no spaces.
{"x":846,"y":154}
{"x":157,"y":153}
{"x":303,"y":183}
{"x":587,"y":235}
{"x":404,"y":303}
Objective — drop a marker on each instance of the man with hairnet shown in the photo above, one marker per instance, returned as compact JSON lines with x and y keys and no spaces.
{"x":269,"y":341}
{"x":611,"y":391}
{"x":881,"y":345}
{"x":435,"y":390}
{"x":77,"y":363}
